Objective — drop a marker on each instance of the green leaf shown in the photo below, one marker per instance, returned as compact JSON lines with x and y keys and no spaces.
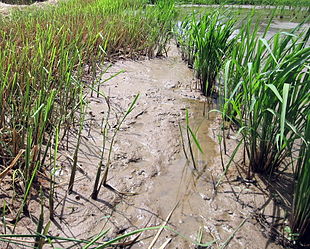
{"x":264,"y":41}
{"x":275,"y":91}
{"x":286,"y":88}
{"x":195,"y":139}
{"x":96,"y":238}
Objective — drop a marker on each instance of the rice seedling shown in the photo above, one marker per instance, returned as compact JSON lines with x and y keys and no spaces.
{"x":182,"y":141}
{"x":77,"y":147}
{"x":39,"y":87}
{"x":266,"y":98}
{"x":104,"y":132}
{"x":53,"y":171}
{"x":248,"y":2}
{"x":300,"y":219}
{"x":190,"y":140}
{"x":263,"y":96}
{"x":45,"y":55}
{"x":191,"y":135}
{"x":242,"y":53}
{"x":104,"y":178}
{"x":208,"y":41}
{"x":165,"y":14}
{"x":44,"y":237}
{"x":119,"y":241}
{"x":269,"y":98}
{"x":38,"y":241}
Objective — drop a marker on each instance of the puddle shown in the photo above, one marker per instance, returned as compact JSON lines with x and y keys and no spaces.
{"x":181,"y":184}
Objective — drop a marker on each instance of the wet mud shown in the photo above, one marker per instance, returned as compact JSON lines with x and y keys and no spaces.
{"x":149,"y":162}
{"x":6,"y":8}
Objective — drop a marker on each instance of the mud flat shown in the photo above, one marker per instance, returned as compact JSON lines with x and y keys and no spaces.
{"x":148,"y":160}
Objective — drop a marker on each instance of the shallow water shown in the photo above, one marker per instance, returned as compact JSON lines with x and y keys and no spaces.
{"x":283,"y":19}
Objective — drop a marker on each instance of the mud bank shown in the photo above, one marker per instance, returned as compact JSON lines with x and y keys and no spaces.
{"x":148,"y":160}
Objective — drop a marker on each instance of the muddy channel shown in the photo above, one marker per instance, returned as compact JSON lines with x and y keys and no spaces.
{"x":149,"y":162}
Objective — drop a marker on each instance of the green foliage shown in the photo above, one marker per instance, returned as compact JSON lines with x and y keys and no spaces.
{"x":249,"y":2}
{"x":205,"y":42}
{"x":93,"y":243}
{"x":43,"y":57}
{"x":162,"y":19}
{"x":266,"y":95}
{"x":300,"y":219}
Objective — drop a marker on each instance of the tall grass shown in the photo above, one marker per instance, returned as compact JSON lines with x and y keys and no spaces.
{"x":162,"y":19}
{"x":266,"y":97}
{"x":264,"y":91}
{"x":300,"y":219}
{"x":206,"y":41}
{"x":267,"y":90}
{"x":250,"y":2}
{"x":44,"y":56}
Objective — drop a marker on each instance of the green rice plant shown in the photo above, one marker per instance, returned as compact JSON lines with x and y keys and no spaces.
{"x":120,"y":241}
{"x":247,"y":2}
{"x":162,"y":19}
{"x":104,"y":178}
{"x":184,"y":39}
{"x":191,"y":135}
{"x":267,"y":92}
{"x":43,"y":52}
{"x":38,"y":241}
{"x":265,"y":96}
{"x":53,"y":171}
{"x":83,"y":243}
{"x":208,"y":39}
{"x":241,"y":54}
{"x":78,"y":143}
{"x":300,"y":218}
{"x":104,"y":132}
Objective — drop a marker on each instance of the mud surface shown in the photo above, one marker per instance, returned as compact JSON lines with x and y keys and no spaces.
{"x":148,"y":160}
{"x":6,"y":8}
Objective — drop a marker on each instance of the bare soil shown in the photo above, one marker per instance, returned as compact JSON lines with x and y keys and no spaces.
{"x":5,"y":8}
{"x":148,"y":160}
